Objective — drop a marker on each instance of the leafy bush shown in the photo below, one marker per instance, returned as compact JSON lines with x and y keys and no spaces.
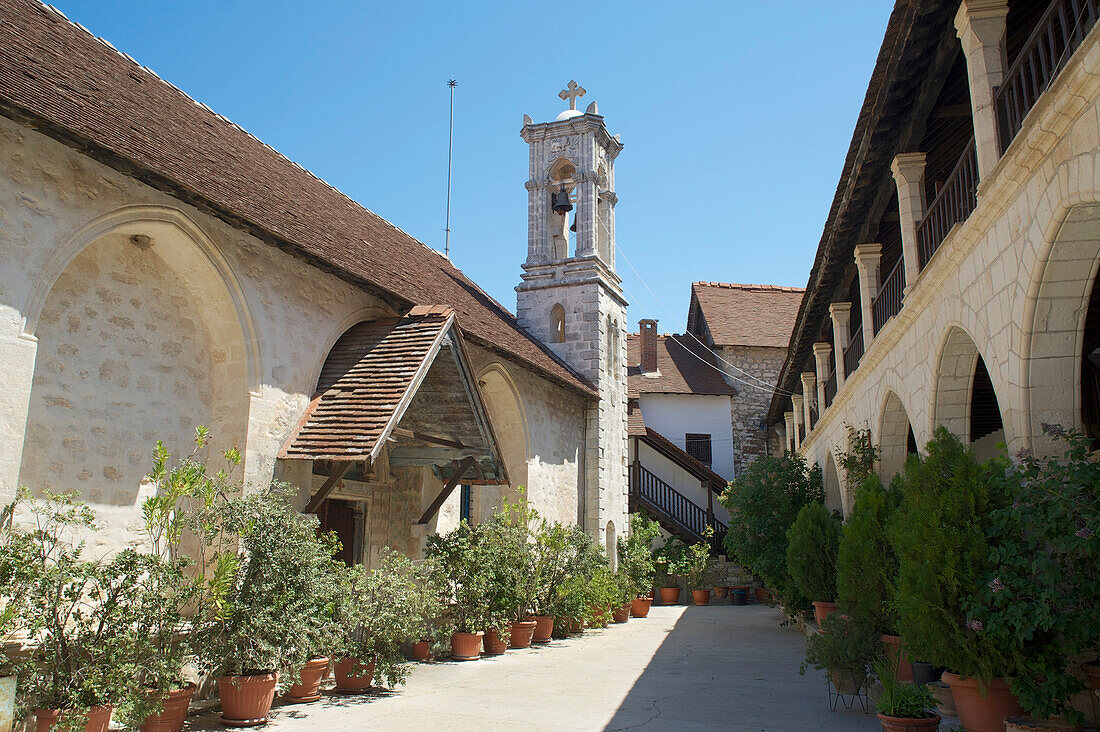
{"x":867,"y":567}
{"x":906,"y":701}
{"x":842,"y":645}
{"x":857,"y":460}
{"x":812,"y":550}
{"x":694,"y":562}
{"x":939,"y":533}
{"x":507,"y":547}
{"x":636,"y":553}
{"x":465,"y":581}
{"x":1043,"y":588}
{"x":763,"y":503}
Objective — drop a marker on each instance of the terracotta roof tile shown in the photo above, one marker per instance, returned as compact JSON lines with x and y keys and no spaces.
{"x":747,"y":315}
{"x":684,"y":366}
{"x":59,"y":78}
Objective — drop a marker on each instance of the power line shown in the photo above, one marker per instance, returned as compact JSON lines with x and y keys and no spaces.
{"x":450,"y":146}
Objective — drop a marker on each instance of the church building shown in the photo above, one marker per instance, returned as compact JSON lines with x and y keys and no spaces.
{"x":161,"y":269}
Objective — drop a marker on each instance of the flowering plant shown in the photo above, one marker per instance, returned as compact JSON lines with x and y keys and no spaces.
{"x":1042,"y":594}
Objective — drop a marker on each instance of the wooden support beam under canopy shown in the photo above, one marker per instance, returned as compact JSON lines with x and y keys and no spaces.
{"x":339,"y":471}
{"x":459,"y":471}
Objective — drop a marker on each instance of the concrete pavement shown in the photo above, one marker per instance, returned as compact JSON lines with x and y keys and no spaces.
{"x":682,"y":668}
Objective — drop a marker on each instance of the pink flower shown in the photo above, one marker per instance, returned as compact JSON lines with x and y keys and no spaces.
{"x":1084,"y":533}
{"x":996,"y":585}
{"x":975,"y":625}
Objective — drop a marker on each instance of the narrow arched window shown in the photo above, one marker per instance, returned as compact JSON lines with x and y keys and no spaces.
{"x":557,"y":324}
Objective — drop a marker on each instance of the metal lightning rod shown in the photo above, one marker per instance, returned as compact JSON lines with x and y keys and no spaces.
{"x":450,"y":146}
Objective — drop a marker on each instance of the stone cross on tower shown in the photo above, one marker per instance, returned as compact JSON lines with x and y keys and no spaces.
{"x":571,"y":92}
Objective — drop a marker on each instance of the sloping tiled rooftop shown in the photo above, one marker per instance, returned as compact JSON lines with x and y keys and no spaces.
{"x":684,"y":366}
{"x":746,"y":315}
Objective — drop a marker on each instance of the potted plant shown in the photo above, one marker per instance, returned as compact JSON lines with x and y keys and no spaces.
{"x":267,"y":594}
{"x":867,"y":569}
{"x":812,"y":556}
{"x":903,"y":707}
{"x":843,"y":648}
{"x":17,"y":576}
{"x":624,"y":596}
{"x":763,"y":503}
{"x":564,"y":556}
{"x":693,"y":567}
{"x":513,"y":575}
{"x":668,"y":561}
{"x":431,"y":631}
{"x":943,"y":520}
{"x":636,"y":561}
{"x":465,"y":584}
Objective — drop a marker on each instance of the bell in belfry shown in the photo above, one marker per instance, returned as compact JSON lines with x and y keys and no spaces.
{"x":560,"y":202}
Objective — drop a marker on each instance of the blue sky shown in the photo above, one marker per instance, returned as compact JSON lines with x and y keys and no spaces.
{"x":735,"y":116}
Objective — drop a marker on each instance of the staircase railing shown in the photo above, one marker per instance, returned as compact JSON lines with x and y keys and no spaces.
{"x":676,"y":508}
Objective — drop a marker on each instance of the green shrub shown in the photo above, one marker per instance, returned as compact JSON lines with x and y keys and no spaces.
{"x":939,"y":534}
{"x":842,"y":645}
{"x":464,"y":577}
{"x":906,"y":701}
{"x":811,"y":552}
{"x":867,"y":567}
{"x":763,"y":503}
{"x":636,"y":554}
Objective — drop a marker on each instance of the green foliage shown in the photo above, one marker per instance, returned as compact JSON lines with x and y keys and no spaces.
{"x":939,"y":533}
{"x":812,"y":552}
{"x":763,"y":503}
{"x":465,"y":581}
{"x":867,"y":567}
{"x":1041,"y":596}
{"x":602,"y":596}
{"x":857,"y":461}
{"x":905,"y":701}
{"x":636,"y":554}
{"x":507,"y":543}
{"x":377,"y":611}
{"x":690,"y":561}
{"x":842,"y":645}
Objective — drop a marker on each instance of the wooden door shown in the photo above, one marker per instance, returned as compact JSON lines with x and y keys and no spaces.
{"x":339,"y":518}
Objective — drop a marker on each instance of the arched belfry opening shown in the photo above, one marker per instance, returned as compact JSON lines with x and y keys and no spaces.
{"x":563,"y":197}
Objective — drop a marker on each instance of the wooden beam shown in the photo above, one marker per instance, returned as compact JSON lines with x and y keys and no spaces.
{"x":432,"y":439}
{"x":460,"y":470}
{"x":338,"y":472}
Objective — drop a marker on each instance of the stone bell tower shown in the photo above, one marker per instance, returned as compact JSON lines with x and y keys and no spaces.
{"x":571,"y":298}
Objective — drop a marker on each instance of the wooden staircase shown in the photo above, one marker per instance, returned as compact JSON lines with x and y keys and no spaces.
{"x":675,"y":512}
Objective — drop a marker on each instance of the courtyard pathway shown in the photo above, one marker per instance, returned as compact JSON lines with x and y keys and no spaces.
{"x":682,"y":668}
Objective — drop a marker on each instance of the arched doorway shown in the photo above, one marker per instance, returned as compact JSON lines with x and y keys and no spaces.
{"x":140,"y":338}
{"x":965,"y":400}
{"x":896,"y":439}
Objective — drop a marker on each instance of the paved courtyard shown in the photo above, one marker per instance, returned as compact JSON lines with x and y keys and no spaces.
{"x":682,"y":668}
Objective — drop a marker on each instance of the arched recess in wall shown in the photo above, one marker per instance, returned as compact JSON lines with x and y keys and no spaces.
{"x":895,"y":437}
{"x":557,"y":324}
{"x":563,"y":176}
{"x":1063,"y":347}
{"x":509,"y":420}
{"x":833,"y":499}
{"x":143,"y":335}
{"x":965,"y":401}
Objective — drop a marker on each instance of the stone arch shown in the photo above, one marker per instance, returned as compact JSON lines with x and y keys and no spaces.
{"x":895,"y":436}
{"x":959,"y":369}
{"x":143,"y":334}
{"x":611,"y":545}
{"x":557,"y":324}
{"x":1062,"y":384}
{"x":371,"y":312}
{"x":833,"y":495}
{"x":509,"y":419}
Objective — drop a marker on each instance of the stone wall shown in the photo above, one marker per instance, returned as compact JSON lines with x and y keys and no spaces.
{"x":749,"y":406}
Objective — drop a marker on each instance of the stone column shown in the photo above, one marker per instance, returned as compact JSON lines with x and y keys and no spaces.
{"x":867,"y":261}
{"x":799,"y":409}
{"x":841,"y":313}
{"x":908,"y":171}
{"x":809,"y":393}
{"x":17,"y":353}
{"x":980,"y":25}
{"x":587,"y":217}
{"x":822,"y":352}
{"x":788,"y":430}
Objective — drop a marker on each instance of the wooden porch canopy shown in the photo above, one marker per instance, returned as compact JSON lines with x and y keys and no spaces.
{"x":402,"y":383}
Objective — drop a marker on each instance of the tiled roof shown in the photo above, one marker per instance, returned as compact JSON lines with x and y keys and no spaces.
{"x":746,"y":315}
{"x":684,"y":366}
{"x":57,"y":77}
{"x":368,"y":374}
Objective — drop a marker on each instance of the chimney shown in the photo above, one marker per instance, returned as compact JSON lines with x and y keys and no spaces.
{"x":647,"y":342}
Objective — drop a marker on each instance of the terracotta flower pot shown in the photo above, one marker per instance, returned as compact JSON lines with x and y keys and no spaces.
{"x":908,"y":724}
{"x":822,"y":610}
{"x":522,"y":633}
{"x":98,"y":719}
{"x":763,"y":594}
{"x":894,"y":646}
{"x":576,"y":626}
{"x":982,"y":712}
{"x":640,"y":607}
{"x":701,"y":597}
{"x":308,"y":687}
{"x":495,"y":645}
{"x":421,"y":651}
{"x":353,"y":676}
{"x":1027,"y":724}
{"x":1092,"y":675}
{"x":544,"y":628}
{"x":173,"y":715}
{"x":721,"y":592}
{"x":620,"y":614}
{"x":669,"y":595}
{"x":945,"y":700}
{"x":246,"y":700}
{"x":466,"y":646}
{"x":7,"y":703}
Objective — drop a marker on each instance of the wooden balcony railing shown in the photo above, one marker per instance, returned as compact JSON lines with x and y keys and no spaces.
{"x":888,"y":302}
{"x":853,"y":353}
{"x":953,"y":204}
{"x":830,"y":388}
{"x":1057,"y":35}
{"x":676,"y":509}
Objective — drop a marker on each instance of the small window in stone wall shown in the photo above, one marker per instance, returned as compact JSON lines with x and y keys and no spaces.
{"x":466,"y":503}
{"x":557,"y":324}
{"x":698,"y":446}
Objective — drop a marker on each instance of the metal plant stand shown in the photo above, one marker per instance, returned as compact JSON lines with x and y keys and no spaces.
{"x":839,"y":693}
